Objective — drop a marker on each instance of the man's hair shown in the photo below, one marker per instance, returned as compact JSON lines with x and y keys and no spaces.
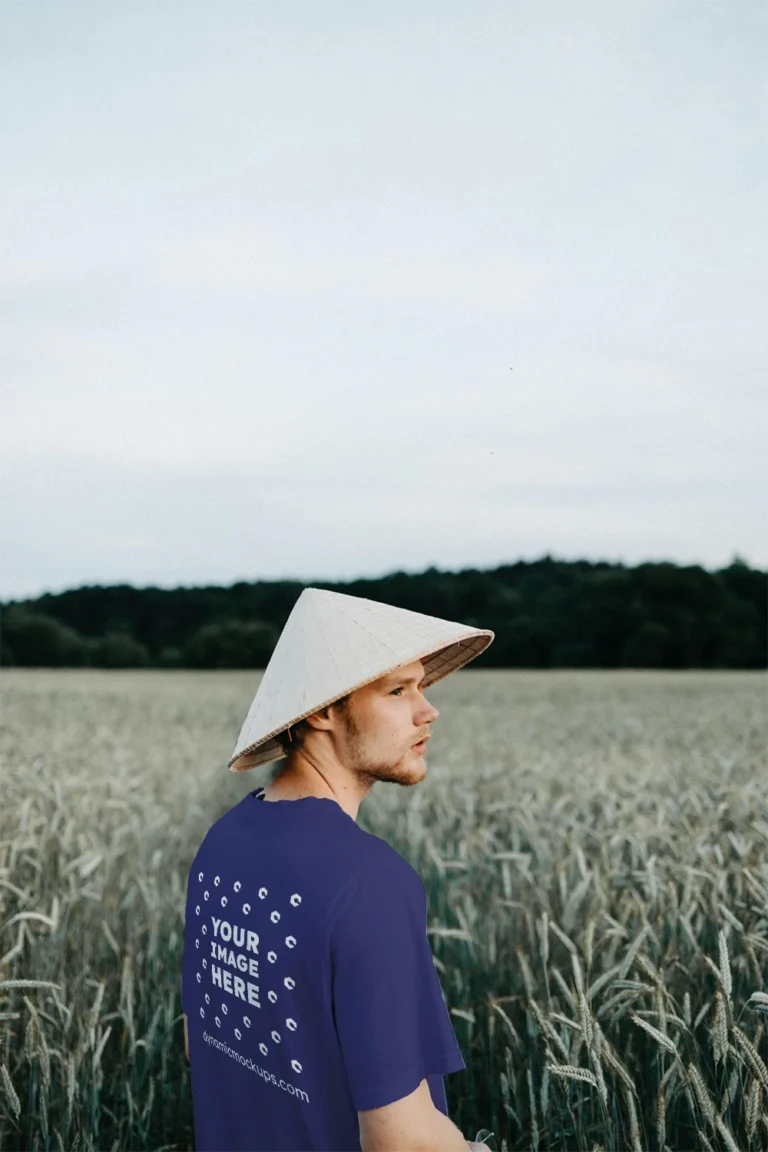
{"x":301,"y":728}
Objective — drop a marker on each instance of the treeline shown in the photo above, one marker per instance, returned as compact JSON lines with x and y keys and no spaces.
{"x":545,"y":613}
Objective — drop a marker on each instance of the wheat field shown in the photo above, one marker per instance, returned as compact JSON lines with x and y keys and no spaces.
{"x":594,"y":847}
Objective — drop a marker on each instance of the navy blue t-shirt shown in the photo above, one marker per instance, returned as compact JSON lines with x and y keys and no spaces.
{"x":308,"y":981}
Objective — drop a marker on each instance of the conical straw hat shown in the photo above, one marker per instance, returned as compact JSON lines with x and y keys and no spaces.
{"x":333,"y":644}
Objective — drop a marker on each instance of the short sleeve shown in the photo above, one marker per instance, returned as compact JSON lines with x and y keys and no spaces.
{"x":391,"y":1018}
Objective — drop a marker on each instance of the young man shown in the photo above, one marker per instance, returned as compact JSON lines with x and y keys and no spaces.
{"x":313,"y":1014}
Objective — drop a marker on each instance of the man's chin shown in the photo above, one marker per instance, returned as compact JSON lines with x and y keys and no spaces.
{"x":413,"y":769}
{"x":409,"y":769}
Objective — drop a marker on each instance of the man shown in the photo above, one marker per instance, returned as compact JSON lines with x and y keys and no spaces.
{"x":313,"y":1013}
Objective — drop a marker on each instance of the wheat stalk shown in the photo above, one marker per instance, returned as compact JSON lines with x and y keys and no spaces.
{"x":726,"y":1135}
{"x":585,"y":1019}
{"x":571,"y":1072}
{"x":702,"y":1095}
{"x":532,"y":1101}
{"x":9,"y":1091}
{"x":544,"y":1093}
{"x":589,"y":937}
{"x":687,"y":1008}
{"x":632,"y":951}
{"x":612,"y":1060}
{"x":719,"y":1029}
{"x":705,"y":1144}
{"x":659,"y":1037}
{"x":758,"y":1002}
{"x":661,"y":1118}
{"x":634,"y":1130}
{"x":602,"y":1087}
{"x":725,"y":965}
{"x":752,"y":1107}
{"x":753,"y":1056}
{"x":578,"y":977}
{"x":7,"y":984}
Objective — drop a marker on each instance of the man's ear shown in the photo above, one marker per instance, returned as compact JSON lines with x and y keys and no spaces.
{"x":321,"y":719}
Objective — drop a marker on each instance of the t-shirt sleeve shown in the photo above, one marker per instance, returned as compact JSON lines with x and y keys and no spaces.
{"x":391,"y":1018}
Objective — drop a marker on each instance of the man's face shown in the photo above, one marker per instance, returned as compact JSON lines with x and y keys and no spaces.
{"x":381,"y":724}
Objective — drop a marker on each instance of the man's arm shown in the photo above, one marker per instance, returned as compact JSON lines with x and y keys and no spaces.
{"x":412,"y":1123}
{"x":186,"y":1037}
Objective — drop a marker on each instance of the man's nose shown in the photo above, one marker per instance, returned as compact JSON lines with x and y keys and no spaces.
{"x":432,"y":713}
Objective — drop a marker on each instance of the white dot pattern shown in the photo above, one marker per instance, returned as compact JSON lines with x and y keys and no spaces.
{"x":229,"y":942}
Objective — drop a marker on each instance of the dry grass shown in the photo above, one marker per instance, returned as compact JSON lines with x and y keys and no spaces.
{"x":595,"y":851}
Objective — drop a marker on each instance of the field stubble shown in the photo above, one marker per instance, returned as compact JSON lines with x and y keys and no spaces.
{"x":594,"y":847}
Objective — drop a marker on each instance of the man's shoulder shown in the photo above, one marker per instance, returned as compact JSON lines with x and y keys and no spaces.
{"x":379,"y":854}
{"x":382,"y":870}
{"x":221,"y":824}
{"x":219,"y":832}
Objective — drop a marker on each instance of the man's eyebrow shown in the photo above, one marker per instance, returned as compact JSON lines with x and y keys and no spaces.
{"x":395,"y":679}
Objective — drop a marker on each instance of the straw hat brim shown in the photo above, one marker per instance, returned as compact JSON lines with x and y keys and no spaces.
{"x":439,"y":661}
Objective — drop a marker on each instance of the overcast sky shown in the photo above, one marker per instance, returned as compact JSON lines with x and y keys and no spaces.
{"x":323,"y":290}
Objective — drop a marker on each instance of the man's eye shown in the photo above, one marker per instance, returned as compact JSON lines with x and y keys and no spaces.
{"x":396,"y":690}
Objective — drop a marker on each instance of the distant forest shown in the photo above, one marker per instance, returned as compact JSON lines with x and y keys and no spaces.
{"x":546,"y":614}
